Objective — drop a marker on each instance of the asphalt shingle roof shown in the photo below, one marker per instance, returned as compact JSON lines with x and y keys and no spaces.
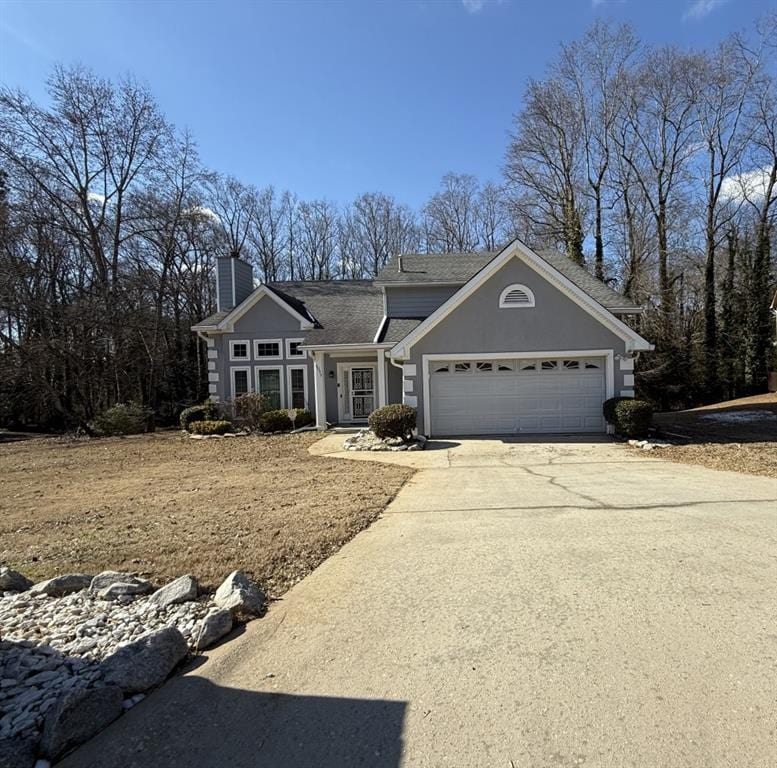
{"x":397,"y":328}
{"x":460,"y":267}
{"x":351,"y":311}
{"x":345,"y":312}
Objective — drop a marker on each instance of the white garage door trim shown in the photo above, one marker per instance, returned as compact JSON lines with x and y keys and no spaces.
{"x":607,"y":354}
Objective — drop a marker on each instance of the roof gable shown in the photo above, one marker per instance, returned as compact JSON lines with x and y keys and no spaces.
{"x":546,"y":270}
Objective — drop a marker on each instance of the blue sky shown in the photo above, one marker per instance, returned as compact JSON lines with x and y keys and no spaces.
{"x":330,"y":99}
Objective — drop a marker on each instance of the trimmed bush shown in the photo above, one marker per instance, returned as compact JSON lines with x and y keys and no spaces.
{"x":275,"y":421}
{"x":301,"y":417}
{"x":210,"y":427}
{"x":393,"y":421}
{"x":124,"y":419}
{"x":609,"y":407}
{"x":249,"y":409}
{"x":630,"y":417}
{"x":633,"y":417}
{"x":205,"y":412}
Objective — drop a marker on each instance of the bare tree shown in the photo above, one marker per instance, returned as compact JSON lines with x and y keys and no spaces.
{"x":450,"y":215}
{"x":545,"y":167}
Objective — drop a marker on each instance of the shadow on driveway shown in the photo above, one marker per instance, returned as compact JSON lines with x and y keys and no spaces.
{"x":192,"y":722}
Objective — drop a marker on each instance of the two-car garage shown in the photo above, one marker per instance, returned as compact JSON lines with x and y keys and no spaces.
{"x":528,"y":395}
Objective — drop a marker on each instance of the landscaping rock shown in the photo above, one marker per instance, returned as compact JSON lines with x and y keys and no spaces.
{"x":178,"y":591}
{"x":107,"y":579}
{"x":77,"y":716}
{"x":216,"y":624}
{"x":367,"y":440}
{"x":122,"y":589}
{"x":60,"y":586}
{"x":146,"y":662}
{"x":239,"y":594}
{"x":13,"y":581}
{"x":17,"y":753}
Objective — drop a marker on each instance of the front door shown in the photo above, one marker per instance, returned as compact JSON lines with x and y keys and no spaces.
{"x":357,"y":392}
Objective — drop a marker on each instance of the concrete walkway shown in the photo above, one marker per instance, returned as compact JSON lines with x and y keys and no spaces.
{"x":518,"y":605}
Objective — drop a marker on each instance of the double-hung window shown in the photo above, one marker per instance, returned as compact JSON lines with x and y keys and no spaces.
{"x":241,"y":381}
{"x":297,"y":386}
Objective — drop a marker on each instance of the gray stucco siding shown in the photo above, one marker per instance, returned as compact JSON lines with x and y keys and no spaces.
{"x":479,"y":326}
{"x":416,"y":301}
{"x":265,"y":320}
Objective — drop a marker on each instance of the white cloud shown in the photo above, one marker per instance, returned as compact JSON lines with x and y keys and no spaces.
{"x":204,"y":212}
{"x":750,"y":185}
{"x":95,"y":197}
{"x":476,"y":6}
{"x":701,"y":8}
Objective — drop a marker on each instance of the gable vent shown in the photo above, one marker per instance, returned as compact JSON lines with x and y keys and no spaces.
{"x":516,"y":296}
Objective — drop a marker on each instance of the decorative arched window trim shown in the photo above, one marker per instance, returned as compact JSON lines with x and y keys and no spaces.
{"x":522,"y":297}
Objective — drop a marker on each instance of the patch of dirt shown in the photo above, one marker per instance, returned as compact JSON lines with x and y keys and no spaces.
{"x":750,"y":458}
{"x":163,"y":505}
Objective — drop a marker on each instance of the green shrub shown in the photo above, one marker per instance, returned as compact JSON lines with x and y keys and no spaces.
{"x":124,"y":419}
{"x":633,"y":417}
{"x":609,"y":407}
{"x":275,"y":421}
{"x":301,"y":417}
{"x":393,"y":421}
{"x":249,"y":409}
{"x":210,"y":427}
{"x":205,"y":412}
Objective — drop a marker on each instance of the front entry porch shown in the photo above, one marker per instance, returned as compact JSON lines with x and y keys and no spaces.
{"x":350,"y":383}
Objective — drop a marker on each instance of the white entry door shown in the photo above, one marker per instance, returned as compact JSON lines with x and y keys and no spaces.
{"x":356,"y":392}
{"x":480,"y":397}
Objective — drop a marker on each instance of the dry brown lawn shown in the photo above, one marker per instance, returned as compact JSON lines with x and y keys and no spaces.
{"x":738,"y":435}
{"x":164,"y":505}
{"x":750,"y":458}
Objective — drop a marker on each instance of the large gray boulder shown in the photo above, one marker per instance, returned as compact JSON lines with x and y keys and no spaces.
{"x":132,"y":585}
{"x":13,"y":581}
{"x":17,"y":752}
{"x":216,"y":624}
{"x":178,"y":591}
{"x":145,"y":662}
{"x":60,"y":586}
{"x":77,"y":716}
{"x":240,"y":595}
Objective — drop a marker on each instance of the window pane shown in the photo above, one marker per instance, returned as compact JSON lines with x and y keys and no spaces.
{"x":549,"y":365}
{"x":294,"y":350}
{"x":297,"y":388}
{"x":267,"y":349}
{"x":239,"y":350}
{"x":269,"y":385}
{"x":241,"y":383}
{"x":485,"y":366}
{"x":462,"y":367}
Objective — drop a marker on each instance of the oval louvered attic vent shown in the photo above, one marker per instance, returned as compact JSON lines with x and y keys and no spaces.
{"x":516,"y":296}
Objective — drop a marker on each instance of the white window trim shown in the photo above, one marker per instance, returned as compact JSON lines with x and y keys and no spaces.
{"x":232,"y":358}
{"x":258,"y":357}
{"x":281,"y":383}
{"x":289,"y":356}
{"x":232,"y":370}
{"x":607,"y":354}
{"x":304,"y":369}
{"x":516,"y":287}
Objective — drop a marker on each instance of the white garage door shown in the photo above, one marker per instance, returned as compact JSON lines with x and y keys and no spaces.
{"x":481,"y":397}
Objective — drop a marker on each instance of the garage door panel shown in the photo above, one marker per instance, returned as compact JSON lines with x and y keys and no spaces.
{"x":560,"y":397}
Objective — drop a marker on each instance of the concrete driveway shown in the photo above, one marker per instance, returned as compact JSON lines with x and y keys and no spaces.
{"x":518,"y":605}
